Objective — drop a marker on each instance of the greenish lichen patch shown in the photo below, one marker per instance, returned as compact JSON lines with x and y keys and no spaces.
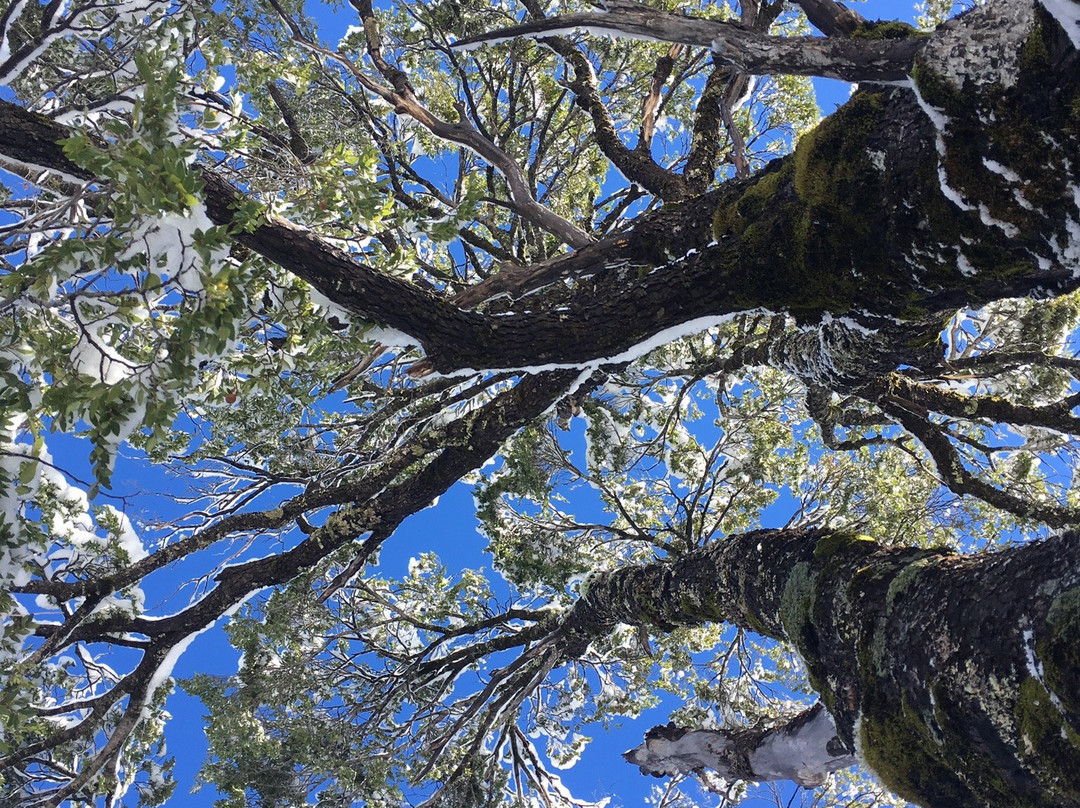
{"x":796,"y":601}
{"x":906,"y":578}
{"x":839,"y":542}
{"x":1047,"y":741}
{"x":1059,"y":651}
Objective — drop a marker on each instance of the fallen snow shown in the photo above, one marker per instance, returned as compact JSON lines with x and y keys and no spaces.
{"x":1067,"y":13}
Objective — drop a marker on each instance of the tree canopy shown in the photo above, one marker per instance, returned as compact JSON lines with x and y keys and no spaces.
{"x":772,"y":413}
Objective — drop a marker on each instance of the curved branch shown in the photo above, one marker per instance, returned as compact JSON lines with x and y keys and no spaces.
{"x":830,"y":17}
{"x":961,"y":481}
{"x":637,"y":164}
{"x":1057,"y":417}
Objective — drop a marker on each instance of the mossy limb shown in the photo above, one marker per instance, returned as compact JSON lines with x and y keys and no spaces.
{"x":886,"y":29}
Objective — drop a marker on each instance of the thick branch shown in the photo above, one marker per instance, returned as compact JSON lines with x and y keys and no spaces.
{"x":997,"y":409}
{"x":958,"y":674}
{"x":805,"y":749}
{"x":733,"y":44}
{"x":701,"y":161}
{"x":830,"y":17}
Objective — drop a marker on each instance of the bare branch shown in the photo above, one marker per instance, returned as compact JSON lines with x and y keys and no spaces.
{"x":405,"y":102}
{"x":830,"y":17}
{"x":804,"y":748}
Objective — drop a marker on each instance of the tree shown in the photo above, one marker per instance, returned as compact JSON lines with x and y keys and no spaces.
{"x":327,"y":282}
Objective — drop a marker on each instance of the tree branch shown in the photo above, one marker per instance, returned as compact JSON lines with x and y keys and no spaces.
{"x":733,"y":44}
{"x":830,"y":17}
{"x":961,"y":481}
{"x":804,"y":748}
{"x":405,"y":102}
{"x":637,"y":165}
{"x":1057,"y":417}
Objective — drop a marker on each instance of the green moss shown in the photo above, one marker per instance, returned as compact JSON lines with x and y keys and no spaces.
{"x":823,"y":154}
{"x":833,"y":544}
{"x":1034,"y":55}
{"x":1047,"y":741}
{"x":796,"y":602}
{"x":732,"y":220}
{"x":1059,"y":651}
{"x":935,"y":89}
{"x":999,"y":124}
{"x":926,"y":754}
{"x":818,"y":232}
{"x":886,"y":29}
{"x":899,"y":746}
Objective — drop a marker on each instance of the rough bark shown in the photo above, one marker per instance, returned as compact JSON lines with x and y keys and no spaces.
{"x":956,"y":679}
{"x":900,"y":206}
{"x":857,"y":59}
{"x":804,"y":749}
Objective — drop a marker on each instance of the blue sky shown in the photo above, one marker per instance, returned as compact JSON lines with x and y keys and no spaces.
{"x":448,"y":528}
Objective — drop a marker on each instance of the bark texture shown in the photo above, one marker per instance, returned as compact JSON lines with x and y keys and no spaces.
{"x":804,"y":749}
{"x":957,"y":679}
{"x":903,"y":205}
{"x":854,"y":59}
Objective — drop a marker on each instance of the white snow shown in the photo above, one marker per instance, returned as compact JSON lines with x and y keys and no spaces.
{"x":940,"y":122}
{"x":964,"y":265}
{"x":1004,"y":171}
{"x":1067,"y":13}
{"x":392,"y":338}
{"x":127,"y":537}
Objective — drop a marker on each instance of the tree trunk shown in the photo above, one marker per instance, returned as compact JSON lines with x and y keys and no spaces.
{"x":908,"y":202}
{"x":956,"y":679}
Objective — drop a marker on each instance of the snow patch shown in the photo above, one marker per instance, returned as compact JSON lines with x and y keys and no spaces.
{"x":940,"y":122}
{"x":1067,"y":14}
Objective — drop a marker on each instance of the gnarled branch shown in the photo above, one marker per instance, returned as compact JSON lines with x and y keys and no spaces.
{"x":734,"y":44}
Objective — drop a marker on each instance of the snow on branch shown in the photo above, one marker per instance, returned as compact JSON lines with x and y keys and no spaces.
{"x":804,"y":749}
{"x":857,"y":59}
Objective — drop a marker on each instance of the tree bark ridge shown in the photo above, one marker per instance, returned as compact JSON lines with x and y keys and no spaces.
{"x":956,"y":678}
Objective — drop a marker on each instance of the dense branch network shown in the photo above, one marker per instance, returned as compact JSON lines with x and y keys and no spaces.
{"x":836,"y":268}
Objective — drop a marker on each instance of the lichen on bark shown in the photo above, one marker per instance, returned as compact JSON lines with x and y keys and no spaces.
{"x":954,"y":677}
